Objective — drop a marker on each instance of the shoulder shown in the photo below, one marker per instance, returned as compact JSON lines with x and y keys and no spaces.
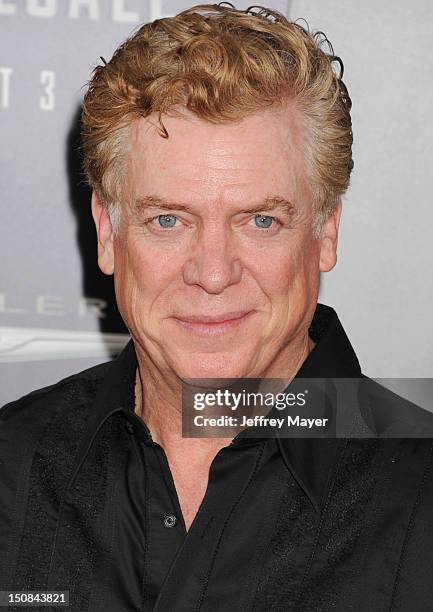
{"x":46,"y":423}
{"x":69,"y":393}
{"x":392,"y":415}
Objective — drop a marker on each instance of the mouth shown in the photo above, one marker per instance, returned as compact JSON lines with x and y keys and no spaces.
{"x":214,"y":325}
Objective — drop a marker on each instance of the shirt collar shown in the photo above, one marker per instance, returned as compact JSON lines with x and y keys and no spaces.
{"x":310,"y":460}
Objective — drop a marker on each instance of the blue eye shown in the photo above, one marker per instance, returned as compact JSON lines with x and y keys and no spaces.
{"x":263,"y":221}
{"x":166,"y":220}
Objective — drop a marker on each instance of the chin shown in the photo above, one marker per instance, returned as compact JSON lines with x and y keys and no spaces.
{"x":212,"y":366}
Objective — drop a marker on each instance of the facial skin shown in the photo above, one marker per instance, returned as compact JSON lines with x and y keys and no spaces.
{"x":217,"y":259}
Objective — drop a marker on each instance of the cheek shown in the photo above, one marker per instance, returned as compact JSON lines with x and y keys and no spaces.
{"x":123,"y":285}
{"x":140,"y":274}
{"x":292,"y":286}
{"x":292,"y":269}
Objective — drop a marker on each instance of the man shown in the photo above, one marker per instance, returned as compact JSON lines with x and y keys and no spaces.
{"x":218,"y":145}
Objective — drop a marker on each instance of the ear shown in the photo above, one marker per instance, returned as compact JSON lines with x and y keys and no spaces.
{"x":329,"y":239}
{"x":104,"y":232}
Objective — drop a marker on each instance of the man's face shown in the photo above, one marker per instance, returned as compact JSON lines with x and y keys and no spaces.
{"x":197,"y":239}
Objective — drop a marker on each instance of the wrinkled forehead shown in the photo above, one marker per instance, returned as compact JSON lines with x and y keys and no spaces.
{"x":226,"y":162}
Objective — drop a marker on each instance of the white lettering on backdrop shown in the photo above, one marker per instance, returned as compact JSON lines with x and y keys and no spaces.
{"x":118,"y":11}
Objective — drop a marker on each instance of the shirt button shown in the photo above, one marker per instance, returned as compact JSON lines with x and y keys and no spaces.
{"x":170,"y":520}
{"x":129,"y":426}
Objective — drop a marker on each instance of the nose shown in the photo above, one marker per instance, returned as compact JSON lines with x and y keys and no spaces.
{"x":213,"y":264}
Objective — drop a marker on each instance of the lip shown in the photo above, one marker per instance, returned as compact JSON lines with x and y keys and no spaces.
{"x":228,"y":316}
{"x":209,"y":325}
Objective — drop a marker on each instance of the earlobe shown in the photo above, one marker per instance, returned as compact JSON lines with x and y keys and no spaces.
{"x":104,"y":233}
{"x":329,"y":240}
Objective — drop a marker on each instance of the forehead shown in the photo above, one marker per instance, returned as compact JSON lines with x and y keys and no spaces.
{"x":227,"y":162}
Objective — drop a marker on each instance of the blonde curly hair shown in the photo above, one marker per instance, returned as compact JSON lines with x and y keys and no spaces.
{"x":222,"y":64}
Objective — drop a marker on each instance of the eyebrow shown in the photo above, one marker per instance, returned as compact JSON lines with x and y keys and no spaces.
{"x":270,"y":203}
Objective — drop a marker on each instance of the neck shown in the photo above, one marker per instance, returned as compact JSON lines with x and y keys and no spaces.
{"x":158,"y":401}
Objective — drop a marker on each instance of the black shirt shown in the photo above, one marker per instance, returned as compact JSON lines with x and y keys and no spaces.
{"x":88,"y":505}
